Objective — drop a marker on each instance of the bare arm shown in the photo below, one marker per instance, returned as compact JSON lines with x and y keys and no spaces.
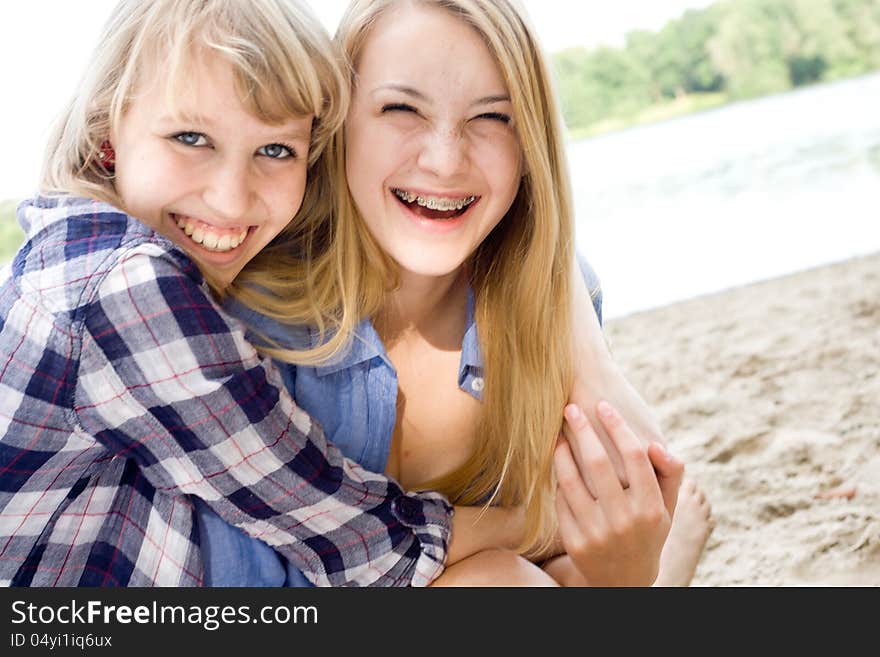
{"x":598,"y":377}
{"x":475,"y":529}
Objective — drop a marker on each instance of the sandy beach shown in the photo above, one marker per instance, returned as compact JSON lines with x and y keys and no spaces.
{"x":771,"y":394}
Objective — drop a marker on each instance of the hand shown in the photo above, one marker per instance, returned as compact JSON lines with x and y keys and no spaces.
{"x":615,"y":536}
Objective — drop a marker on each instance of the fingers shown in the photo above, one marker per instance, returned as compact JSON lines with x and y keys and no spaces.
{"x":569,"y":530}
{"x":670,"y":472}
{"x":638,"y":466}
{"x":578,"y":515}
{"x":579,"y":501}
{"x":655,"y":476}
{"x":592,"y":460}
{"x":607,"y":443}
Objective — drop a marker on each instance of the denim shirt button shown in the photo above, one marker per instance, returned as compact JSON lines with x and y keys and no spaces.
{"x":477,"y":384}
{"x":406,"y":508}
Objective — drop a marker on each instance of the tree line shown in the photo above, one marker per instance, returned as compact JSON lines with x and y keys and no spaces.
{"x":731,"y":50}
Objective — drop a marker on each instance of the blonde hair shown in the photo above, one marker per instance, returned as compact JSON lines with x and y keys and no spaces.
{"x":284,"y":65}
{"x":520,"y":274}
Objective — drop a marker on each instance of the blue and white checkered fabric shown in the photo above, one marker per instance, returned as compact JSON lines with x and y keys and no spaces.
{"x":125,"y":389}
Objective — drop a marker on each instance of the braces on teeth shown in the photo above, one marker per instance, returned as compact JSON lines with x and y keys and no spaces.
{"x":432,"y":203}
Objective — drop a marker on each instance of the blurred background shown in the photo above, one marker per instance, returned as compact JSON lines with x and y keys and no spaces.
{"x":711,"y":144}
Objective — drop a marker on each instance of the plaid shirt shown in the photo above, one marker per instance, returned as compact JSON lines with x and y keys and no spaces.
{"x":125,"y":389}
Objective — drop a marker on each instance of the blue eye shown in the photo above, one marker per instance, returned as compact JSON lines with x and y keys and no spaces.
{"x":495,"y":116}
{"x":191,"y":138}
{"x":276,"y":151}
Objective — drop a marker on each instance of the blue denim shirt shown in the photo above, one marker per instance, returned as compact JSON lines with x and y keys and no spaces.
{"x":354,"y":397}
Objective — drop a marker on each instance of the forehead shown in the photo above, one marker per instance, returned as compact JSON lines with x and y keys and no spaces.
{"x":428,"y":45}
{"x":202,"y":83}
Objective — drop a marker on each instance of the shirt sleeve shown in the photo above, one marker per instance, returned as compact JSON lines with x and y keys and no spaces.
{"x":167,"y":379}
{"x":591,"y":280}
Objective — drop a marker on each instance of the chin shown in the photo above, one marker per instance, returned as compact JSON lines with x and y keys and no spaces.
{"x":430,"y":268}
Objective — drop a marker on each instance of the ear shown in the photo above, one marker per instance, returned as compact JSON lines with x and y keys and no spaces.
{"x":107,"y":156}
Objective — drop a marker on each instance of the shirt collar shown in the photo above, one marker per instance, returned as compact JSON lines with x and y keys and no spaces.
{"x":471,"y":356}
{"x":364,"y":346}
{"x":367,"y":345}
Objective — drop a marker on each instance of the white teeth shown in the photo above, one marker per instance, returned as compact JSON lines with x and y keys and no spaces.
{"x":435,"y":202}
{"x":209,"y":239}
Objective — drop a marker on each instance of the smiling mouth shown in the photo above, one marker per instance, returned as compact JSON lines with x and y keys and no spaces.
{"x":434,"y":207}
{"x":212,"y":238}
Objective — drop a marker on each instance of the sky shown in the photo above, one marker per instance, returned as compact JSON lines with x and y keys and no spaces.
{"x":45,"y":45}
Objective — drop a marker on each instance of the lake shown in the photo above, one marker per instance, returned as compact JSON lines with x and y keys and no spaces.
{"x":745,"y":192}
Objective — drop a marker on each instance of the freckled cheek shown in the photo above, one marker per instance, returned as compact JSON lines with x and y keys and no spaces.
{"x":503,"y":166}
{"x":372,"y":155}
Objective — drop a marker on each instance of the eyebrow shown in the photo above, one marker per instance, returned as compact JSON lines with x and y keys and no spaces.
{"x":489,"y":100}
{"x":197,"y":121}
{"x":185,"y":117}
{"x":402,"y":88}
{"x":415,"y":93}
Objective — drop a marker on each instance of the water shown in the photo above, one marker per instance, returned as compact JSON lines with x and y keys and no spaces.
{"x":730,"y":196}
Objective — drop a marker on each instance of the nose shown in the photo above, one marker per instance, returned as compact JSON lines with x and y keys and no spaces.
{"x":230,"y":189}
{"x":444,"y":153}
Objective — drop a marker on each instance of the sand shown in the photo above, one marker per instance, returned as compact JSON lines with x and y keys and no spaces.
{"x":771,"y":394}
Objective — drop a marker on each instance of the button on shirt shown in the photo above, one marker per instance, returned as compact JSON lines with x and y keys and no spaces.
{"x":354,"y":397}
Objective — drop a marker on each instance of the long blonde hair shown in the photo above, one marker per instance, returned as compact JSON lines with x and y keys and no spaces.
{"x":520,"y":274}
{"x":284,"y":65}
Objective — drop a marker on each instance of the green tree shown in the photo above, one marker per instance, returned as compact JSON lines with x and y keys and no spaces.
{"x":861,"y":21}
{"x":729,"y":50}
{"x":764,"y":46}
{"x":821,"y":46}
{"x":597,"y":84}
{"x":677,"y":57}
{"x":694,"y":31}
{"x":11,"y":235}
{"x":749,"y":48}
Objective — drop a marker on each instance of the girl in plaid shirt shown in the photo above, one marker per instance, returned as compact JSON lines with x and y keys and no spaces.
{"x":125,"y":390}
